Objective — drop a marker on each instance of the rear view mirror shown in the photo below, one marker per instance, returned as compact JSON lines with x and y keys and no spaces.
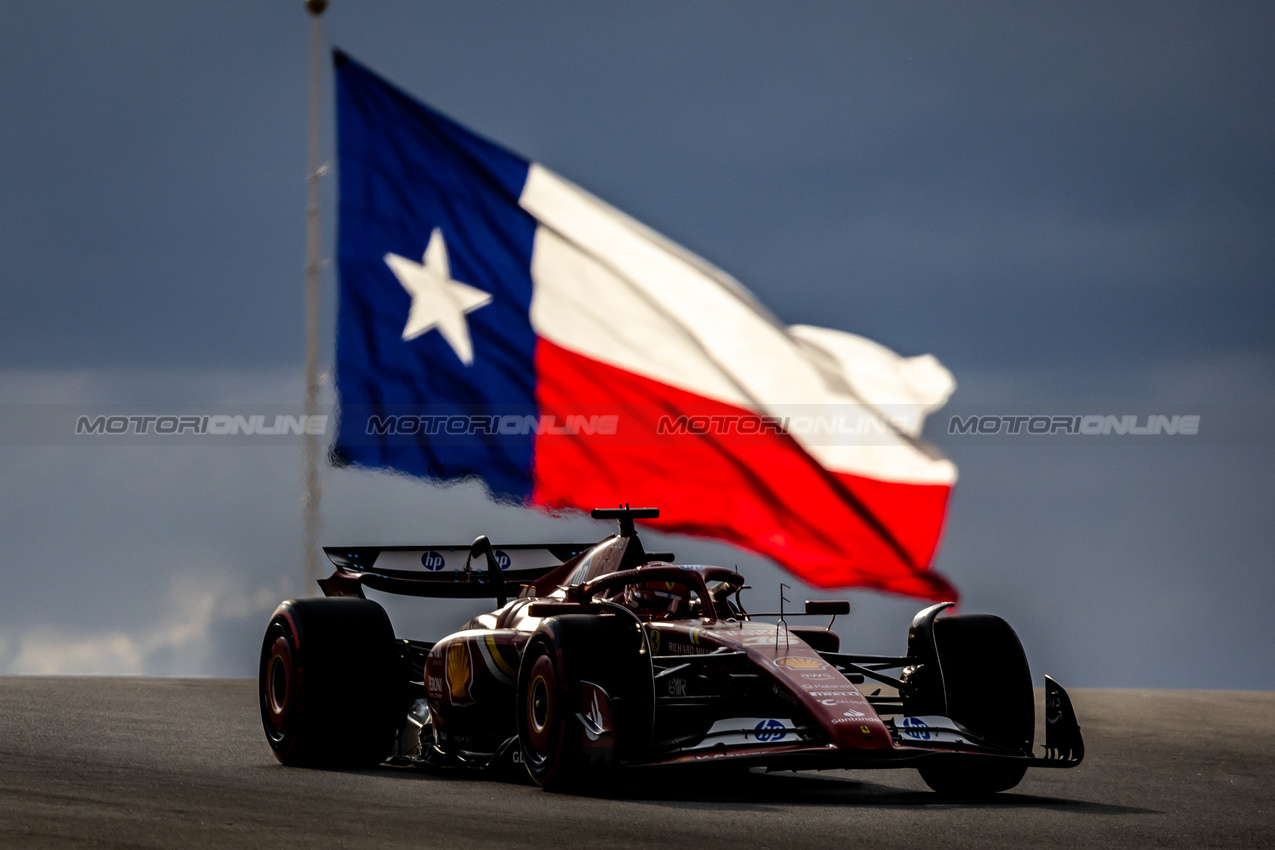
{"x":553,"y":609}
{"x":827,"y":607}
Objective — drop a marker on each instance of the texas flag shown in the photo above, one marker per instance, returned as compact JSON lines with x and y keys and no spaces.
{"x":497,"y":321}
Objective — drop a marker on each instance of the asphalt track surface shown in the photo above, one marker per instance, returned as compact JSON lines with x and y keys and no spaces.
{"x":180,"y":763}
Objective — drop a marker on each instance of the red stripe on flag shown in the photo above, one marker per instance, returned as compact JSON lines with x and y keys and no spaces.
{"x":760,"y":491}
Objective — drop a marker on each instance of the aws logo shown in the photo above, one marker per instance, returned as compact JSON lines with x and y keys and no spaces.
{"x":1053,"y":707}
{"x":433,"y":561}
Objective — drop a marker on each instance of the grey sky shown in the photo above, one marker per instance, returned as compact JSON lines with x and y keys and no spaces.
{"x":1070,"y":207}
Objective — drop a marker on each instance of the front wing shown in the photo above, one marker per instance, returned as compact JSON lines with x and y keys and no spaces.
{"x":780,"y":743}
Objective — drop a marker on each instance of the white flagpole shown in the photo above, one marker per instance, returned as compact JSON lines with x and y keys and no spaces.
{"x":313,"y":487}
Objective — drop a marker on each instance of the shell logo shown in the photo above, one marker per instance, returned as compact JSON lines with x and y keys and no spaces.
{"x":460,"y":671}
{"x":800,"y":662}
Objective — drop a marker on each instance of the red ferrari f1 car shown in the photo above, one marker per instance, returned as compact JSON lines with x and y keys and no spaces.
{"x":609,"y":658}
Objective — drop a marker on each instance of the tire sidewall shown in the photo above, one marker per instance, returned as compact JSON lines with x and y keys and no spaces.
{"x":280,"y":716}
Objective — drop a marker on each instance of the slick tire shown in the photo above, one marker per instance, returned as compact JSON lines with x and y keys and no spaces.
{"x":330,"y":684}
{"x":558,"y":750}
{"x":988,"y":690}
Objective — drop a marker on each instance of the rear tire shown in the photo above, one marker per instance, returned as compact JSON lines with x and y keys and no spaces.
{"x":988,"y":690}
{"x":330,"y":685}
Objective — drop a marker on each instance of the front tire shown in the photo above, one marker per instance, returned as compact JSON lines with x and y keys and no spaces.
{"x":988,"y":690}
{"x":329,"y":683}
{"x":966,"y":779}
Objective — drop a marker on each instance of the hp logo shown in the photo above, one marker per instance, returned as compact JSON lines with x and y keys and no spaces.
{"x":770,"y":730}
{"x":502,"y":559}
{"x":914,"y":725}
{"x":432,"y":561}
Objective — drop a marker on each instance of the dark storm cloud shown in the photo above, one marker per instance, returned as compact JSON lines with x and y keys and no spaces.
{"x":148,"y":173}
{"x":983,"y":182}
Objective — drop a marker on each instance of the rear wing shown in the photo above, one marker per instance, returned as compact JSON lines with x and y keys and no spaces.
{"x":479,"y":570}
{"x":476,"y":571}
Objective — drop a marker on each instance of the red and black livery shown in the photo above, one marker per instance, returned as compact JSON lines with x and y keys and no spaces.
{"x":604,"y":657}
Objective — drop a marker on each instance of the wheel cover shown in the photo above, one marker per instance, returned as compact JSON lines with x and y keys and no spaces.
{"x":280,"y":687}
{"x":278,"y":684}
{"x":542,"y":709}
{"x":539,"y":704}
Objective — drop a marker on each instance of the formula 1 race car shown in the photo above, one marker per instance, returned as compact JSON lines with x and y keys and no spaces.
{"x":610,"y":658}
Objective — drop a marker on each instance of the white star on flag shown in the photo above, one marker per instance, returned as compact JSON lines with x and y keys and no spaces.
{"x":438,"y":301}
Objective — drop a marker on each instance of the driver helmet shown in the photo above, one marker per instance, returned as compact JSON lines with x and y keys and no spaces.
{"x":658,"y":598}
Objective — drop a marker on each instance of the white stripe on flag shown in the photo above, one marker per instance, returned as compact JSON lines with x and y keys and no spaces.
{"x":611,"y":289}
